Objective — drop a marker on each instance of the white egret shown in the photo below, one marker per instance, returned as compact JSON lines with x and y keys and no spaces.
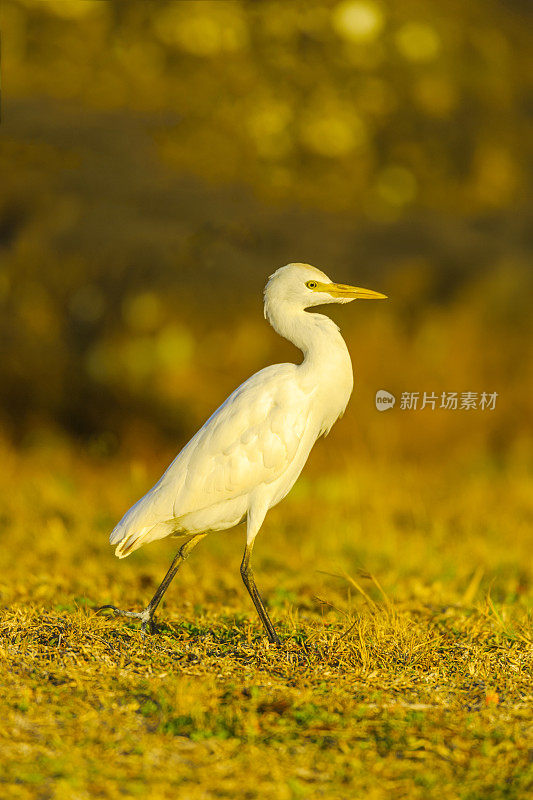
{"x":250,"y":452}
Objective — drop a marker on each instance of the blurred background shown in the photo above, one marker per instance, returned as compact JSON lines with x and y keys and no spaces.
{"x":159,"y":160}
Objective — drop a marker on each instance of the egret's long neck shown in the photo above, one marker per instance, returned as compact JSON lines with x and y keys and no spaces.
{"x":315,"y":335}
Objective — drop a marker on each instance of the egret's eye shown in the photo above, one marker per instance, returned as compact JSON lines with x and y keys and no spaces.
{"x":311,"y":284}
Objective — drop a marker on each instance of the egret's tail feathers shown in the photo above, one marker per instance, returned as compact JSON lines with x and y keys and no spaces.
{"x":150,"y":518}
{"x":132,"y":541}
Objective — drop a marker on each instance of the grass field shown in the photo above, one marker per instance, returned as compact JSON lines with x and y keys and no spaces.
{"x":405,"y":669}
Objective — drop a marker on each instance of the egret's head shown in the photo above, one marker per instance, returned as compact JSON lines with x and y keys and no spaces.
{"x":303,"y":286}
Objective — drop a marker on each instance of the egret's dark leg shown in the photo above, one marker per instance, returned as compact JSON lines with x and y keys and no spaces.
{"x":147,"y":616}
{"x":249,"y":582}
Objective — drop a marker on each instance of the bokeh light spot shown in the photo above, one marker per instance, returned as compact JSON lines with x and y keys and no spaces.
{"x":71,"y":9}
{"x":396,"y":185}
{"x":418,"y":41}
{"x":174,"y":346}
{"x":358,"y":20}
{"x":267,"y":124}
{"x":203,"y":29}
{"x":142,"y":312}
{"x":435,"y":95}
{"x":333,"y":135}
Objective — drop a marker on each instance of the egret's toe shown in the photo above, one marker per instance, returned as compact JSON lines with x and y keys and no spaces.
{"x":146,"y":617}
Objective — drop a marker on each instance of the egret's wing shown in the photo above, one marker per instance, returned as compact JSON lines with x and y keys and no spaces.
{"x":250,"y":440}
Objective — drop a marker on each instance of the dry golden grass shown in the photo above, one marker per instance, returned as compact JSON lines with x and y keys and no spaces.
{"x":413,"y":681}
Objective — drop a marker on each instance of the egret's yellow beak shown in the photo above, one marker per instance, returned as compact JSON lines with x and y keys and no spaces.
{"x":351,"y":292}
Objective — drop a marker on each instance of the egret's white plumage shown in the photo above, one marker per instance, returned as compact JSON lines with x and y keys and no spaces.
{"x":249,"y":453}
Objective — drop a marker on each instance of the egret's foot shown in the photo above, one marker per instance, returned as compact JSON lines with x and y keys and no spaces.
{"x":147,"y":618}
